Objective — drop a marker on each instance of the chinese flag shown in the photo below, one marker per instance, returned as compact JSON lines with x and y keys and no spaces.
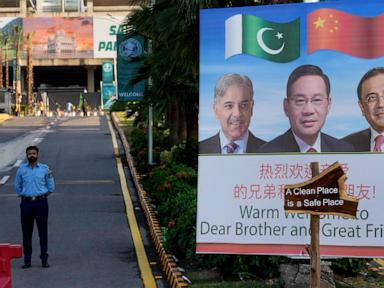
{"x":335,"y":30}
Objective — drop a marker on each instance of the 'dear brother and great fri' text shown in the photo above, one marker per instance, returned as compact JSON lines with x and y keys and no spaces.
{"x":262,"y":228}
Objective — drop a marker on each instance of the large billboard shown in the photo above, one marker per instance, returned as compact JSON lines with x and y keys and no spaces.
{"x":104,"y":34}
{"x":277,"y":81}
{"x":60,"y":37}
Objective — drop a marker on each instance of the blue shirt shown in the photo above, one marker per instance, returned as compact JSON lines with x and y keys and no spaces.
{"x":34,"y":181}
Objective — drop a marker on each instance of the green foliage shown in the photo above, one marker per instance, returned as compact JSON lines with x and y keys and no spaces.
{"x":118,"y":106}
{"x":349,"y":266}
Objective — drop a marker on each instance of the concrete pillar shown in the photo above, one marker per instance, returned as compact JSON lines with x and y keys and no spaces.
{"x":23,"y":8}
{"x":91,"y":78}
{"x":89,"y":7}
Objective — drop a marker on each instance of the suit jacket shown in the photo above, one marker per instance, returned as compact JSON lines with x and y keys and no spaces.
{"x":212,"y":144}
{"x":361,"y":140}
{"x":287,"y":143}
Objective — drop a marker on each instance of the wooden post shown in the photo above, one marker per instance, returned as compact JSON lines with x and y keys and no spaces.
{"x":315,"y":240}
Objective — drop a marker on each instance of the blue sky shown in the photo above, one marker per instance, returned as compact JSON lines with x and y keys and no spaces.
{"x":269,"y":78}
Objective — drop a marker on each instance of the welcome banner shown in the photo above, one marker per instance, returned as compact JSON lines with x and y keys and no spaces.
{"x":240,"y":195}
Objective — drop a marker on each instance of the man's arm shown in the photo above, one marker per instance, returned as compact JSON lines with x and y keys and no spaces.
{"x":18,"y":182}
{"x":50,"y":181}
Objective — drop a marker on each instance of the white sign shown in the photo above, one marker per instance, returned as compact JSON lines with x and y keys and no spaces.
{"x":241,"y":205}
{"x":104,"y":35}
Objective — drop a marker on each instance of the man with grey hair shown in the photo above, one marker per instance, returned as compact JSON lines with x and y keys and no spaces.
{"x":233,"y":107}
{"x":370,"y":92}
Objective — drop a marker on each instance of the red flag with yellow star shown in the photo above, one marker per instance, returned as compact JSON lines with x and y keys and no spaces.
{"x":336,"y":30}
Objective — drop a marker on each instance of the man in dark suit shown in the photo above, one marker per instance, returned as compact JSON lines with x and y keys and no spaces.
{"x":307,"y":106}
{"x":233,"y":107}
{"x":370,"y":92}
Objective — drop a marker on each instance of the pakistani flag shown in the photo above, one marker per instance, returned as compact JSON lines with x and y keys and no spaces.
{"x":248,"y":34}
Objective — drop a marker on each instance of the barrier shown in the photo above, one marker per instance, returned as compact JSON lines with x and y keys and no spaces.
{"x":174,"y":276}
{"x":7,"y":252}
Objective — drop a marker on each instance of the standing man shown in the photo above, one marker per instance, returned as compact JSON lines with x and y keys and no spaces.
{"x":306,"y":106}
{"x":370,"y":92}
{"x":233,"y":107}
{"x":33,"y":183}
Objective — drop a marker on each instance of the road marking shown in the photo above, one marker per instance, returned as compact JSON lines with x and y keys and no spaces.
{"x":78,"y":182}
{"x":37,"y":139}
{"x":142,"y":259}
{"x":4,"y":179}
{"x":17,"y":163}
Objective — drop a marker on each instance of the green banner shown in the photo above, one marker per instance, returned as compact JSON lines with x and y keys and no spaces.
{"x":108,"y":92}
{"x":130,"y":46}
{"x":107,"y":72}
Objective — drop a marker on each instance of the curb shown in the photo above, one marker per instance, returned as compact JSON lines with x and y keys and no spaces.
{"x":4,"y":117}
{"x":173,"y":274}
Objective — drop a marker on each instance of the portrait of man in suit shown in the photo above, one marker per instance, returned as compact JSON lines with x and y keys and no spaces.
{"x":307,"y":105}
{"x":233,"y":108}
{"x":370,"y":92}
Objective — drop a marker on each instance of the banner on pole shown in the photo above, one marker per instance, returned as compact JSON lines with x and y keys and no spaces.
{"x":130,"y":47}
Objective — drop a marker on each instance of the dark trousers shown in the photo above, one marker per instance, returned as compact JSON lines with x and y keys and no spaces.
{"x":31,"y":211}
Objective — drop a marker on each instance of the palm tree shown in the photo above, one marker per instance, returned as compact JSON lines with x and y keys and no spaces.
{"x":1,"y":60}
{"x":30,"y":73}
{"x":6,"y":63}
{"x":17,"y":43}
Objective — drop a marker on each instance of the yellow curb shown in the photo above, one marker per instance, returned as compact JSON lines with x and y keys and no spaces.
{"x":4,"y":117}
{"x":142,"y":259}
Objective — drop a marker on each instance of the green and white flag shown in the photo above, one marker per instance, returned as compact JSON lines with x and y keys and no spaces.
{"x":248,"y":34}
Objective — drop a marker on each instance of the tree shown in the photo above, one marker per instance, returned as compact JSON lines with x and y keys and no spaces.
{"x":1,"y":60}
{"x":17,"y":34}
{"x":30,"y":73}
{"x":6,"y":63}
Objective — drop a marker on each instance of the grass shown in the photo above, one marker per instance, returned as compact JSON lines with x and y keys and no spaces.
{"x":126,"y":123}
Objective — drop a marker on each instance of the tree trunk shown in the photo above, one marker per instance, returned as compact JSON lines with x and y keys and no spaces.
{"x":192,"y":119}
{"x":1,"y":62}
{"x":173,"y":119}
{"x":6,"y":65}
{"x":30,"y":74}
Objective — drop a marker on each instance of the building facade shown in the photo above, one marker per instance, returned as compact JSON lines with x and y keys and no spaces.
{"x":70,"y":40}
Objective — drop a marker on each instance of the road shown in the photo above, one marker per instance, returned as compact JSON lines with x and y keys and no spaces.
{"x":90,"y":242}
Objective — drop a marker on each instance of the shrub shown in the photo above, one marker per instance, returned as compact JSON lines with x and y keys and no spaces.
{"x":118,"y":106}
{"x":349,"y":266}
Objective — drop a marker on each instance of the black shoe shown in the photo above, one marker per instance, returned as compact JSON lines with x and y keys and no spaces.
{"x":44,"y":264}
{"x":26,"y":265}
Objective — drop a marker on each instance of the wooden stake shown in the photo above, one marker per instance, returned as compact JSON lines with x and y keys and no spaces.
{"x":315,"y":240}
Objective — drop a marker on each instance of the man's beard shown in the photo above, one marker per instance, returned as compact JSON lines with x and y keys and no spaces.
{"x":32,"y":159}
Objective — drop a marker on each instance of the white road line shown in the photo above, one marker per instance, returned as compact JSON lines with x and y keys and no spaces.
{"x":52,"y":123}
{"x":37,"y":139}
{"x":17,"y":163}
{"x":4,"y":179}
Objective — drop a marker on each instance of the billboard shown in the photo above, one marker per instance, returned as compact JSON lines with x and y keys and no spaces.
{"x":60,"y":37}
{"x":276,"y":81}
{"x":104,"y":34}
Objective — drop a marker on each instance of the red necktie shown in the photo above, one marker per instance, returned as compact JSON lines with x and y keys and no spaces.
{"x":312,"y":150}
{"x":379,"y":141}
{"x":231,"y":147}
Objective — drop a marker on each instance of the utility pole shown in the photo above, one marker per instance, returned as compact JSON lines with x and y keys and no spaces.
{"x":1,"y":60}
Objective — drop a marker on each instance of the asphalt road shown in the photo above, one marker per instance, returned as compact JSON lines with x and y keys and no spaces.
{"x":90,"y":244}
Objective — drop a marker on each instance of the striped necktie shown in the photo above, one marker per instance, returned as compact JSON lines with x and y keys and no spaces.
{"x":379,"y":141}
{"x":231,"y":147}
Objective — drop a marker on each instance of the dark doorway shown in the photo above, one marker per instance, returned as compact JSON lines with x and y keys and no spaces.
{"x":60,"y":76}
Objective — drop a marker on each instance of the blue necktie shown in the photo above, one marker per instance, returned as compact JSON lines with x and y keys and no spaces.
{"x":231,"y":147}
